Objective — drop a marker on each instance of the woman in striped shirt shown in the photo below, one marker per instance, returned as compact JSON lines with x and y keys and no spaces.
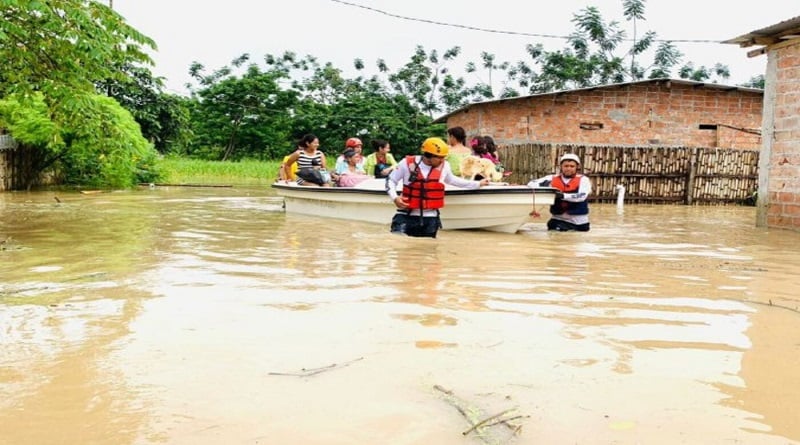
{"x":310,"y":162}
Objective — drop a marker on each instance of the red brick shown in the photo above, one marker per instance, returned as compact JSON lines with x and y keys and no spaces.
{"x":648,"y":111}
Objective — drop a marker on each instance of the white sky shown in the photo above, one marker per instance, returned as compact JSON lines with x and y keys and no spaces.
{"x":214,"y":33}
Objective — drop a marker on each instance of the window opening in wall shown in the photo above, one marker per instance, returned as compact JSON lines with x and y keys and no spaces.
{"x":708,"y":126}
{"x":591,"y":125}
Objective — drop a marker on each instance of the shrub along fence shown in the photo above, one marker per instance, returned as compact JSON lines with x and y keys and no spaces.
{"x":680,"y":175}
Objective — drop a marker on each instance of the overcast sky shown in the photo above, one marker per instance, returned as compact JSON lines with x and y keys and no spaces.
{"x":215,"y":32}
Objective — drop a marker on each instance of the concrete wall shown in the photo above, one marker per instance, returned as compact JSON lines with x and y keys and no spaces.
{"x":779,"y":173}
{"x":657,"y":113}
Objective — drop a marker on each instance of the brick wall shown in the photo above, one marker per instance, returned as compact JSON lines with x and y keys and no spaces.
{"x":783,"y":184}
{"x":657,"y":112}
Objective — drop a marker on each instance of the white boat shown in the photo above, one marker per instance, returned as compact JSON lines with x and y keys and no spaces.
{"x":497,"y":208}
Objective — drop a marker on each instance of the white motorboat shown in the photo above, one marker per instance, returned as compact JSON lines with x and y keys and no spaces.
{"x":497,"y":207}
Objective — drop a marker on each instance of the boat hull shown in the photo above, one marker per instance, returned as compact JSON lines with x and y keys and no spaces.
{"x":496,"y":208}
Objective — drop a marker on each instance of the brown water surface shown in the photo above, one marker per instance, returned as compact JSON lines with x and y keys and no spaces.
{"x":166,"y":316}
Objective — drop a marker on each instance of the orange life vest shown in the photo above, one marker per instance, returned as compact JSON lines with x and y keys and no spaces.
{"x":424,"y":193}
{"x":573,"y":208}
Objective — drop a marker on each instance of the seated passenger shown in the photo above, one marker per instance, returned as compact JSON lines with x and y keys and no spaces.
{"x":285,"y":172}
{"x":354,"y":144}
{"x":381,"y":162}
{"x":310,"y":163}
{"x":491,"y":149}
{"x":351,"y":174}
{"x":484,"y":147}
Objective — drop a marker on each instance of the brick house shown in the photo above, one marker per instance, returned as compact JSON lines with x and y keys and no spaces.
{"x":648,"y":112}
{"x":778,"y":202}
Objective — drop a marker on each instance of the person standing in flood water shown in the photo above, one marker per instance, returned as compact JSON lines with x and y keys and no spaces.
{"x":570,"y":211}
{"x":423,"y":178}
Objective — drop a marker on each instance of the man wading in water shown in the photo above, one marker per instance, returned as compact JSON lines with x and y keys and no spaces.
{"x":423,"y":178}
{"x":570,"y":211}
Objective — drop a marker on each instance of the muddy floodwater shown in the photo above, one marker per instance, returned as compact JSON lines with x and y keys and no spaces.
{"x":207,"y":316}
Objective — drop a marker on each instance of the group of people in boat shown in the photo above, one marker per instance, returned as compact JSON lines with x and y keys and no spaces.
{"x":482,"y":147}
{"x":307,"y":164}
{"x":423,"y":178}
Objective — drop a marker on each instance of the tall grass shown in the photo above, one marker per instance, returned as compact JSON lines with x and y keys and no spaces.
{"x":195,"y":171}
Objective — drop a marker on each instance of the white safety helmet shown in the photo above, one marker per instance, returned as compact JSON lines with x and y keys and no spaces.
{"x":570,"y":157}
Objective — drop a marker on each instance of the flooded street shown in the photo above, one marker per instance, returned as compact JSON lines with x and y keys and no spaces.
{"x":208,"y":316}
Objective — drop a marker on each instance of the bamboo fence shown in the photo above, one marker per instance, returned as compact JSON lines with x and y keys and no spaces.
{"x":7,"y":145}
{"x":680,"y":175}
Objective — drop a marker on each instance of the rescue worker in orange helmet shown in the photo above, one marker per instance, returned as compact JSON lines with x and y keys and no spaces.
{"x":423,"y":178}
{"x":570,"y":211}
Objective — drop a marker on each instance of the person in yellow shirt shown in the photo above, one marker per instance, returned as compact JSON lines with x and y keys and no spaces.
{"x":291,"y":173}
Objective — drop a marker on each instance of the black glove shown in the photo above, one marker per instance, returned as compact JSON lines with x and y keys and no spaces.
{"x":559,"y":195}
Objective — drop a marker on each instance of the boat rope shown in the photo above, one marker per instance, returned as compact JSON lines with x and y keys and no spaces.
{"x":534,"y":213}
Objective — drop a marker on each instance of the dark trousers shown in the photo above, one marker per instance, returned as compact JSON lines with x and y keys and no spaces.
{"x":563,"y":226}
{"x":426,"y":226}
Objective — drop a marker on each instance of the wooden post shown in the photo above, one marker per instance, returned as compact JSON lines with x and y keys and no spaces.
{"x":689,"y":192}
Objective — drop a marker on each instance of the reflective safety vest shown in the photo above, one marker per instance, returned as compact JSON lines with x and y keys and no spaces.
{"x":423,"y":193}
{"x":573,"y":208}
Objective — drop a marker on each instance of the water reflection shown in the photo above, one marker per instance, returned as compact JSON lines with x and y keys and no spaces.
{"x":157,"y":315}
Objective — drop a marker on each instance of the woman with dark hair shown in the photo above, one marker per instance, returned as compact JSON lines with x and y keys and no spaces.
{"x":457,"y":140}
{"x":310,"y":162}
{"x":381,"y":162}
{"x":489,"y":149}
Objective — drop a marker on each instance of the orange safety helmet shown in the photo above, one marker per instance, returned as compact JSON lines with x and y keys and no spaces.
{"x":436,"y":147}
{"x":353,"y":142}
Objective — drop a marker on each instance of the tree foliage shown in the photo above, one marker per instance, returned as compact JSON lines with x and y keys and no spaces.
{"x":61,"y":47}
{"x":107,"y":151}
{"x":598,"y":52}
{"x":242,"y":110}
{"x":54,"y":53}
{"x":163,"y":118}
{"x":240,"y":116}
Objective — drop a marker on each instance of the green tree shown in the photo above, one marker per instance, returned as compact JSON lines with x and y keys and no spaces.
{"x":241,"y":116}
{"x":163,"y":117}
{"x":62,"y":47}
{"x":108,"y":151}
{"x":755,"y":82}
{"x":598,"y":52}
{"x":53,"y":54}
{"x":427,"y":82}
{"x":335,"y":108}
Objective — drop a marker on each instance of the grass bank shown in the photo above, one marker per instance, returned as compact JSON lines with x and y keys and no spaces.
{"x":195,"y":171}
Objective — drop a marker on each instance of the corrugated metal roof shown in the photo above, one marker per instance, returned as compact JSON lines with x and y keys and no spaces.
{"x":785,"y":30}
{"x":666,"y":81}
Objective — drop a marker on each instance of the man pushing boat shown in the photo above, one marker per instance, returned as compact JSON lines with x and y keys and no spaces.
{"x":423,"y":177}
